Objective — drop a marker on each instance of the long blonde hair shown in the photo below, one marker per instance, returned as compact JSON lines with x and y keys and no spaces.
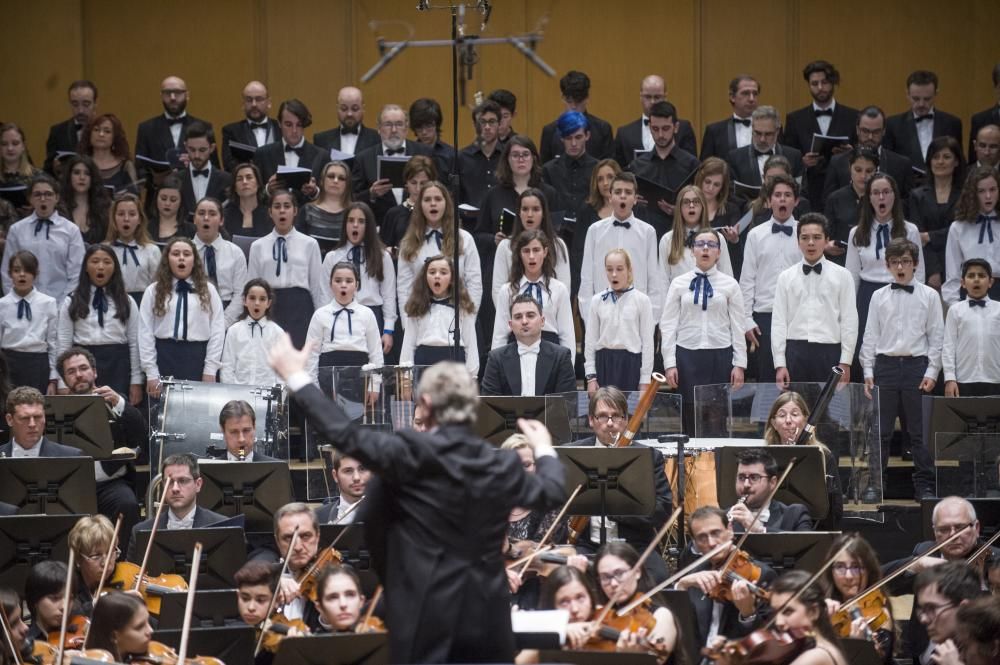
{"x":679,"y":237}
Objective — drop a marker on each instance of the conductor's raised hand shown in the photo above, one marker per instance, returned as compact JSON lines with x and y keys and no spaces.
{"x":285,"y":359}
{"x":537,"y":434}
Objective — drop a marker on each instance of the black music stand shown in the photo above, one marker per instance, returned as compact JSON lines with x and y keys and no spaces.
{"x":987,"y":512}
{"x":497,"y":415}
{"x":348,"y":649}
{"x":858,"y":651}
{"x":806,"y":483}
{"x":29,"y":539}
{"x":804,"y":550}
{"x":355,"y":551}
{"x":223,"y":552}
{"x":595,"y":658}
{"x":253,"y":489}
{"x":49,"y":486}
{"x":212,"y":609}
{"x":616,"y":481}
{"x":230,"y":644}
{"x":81,"y":421}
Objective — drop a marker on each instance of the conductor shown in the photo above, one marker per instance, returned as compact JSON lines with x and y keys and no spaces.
{"x":439,"y":501}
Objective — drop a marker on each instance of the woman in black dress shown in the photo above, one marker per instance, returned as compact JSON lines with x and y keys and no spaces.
{"x":932,"y":206}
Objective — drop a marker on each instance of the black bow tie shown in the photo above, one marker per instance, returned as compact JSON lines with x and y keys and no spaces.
{"x":765,"y":153}
{"x":921,"y":118}
{"x":397,"y":151}
{"x":818,"y":268}
{"x":906,"y":287}
{"x":742,"y":121}
{"x":345,"y":130}
{"x":258,"y":125}
{"x":175,"y":121}
{"x":298,"y":151}
{"x":781,"y":228}
{"x":821,"y":112}
{"x":977,"y":303}
{"x":196,"y":173}
{"x":645,"y":121}
{"x":627,"y":225}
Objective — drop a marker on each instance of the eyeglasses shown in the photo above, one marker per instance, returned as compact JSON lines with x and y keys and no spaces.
{"x":611,"y":419}
{"x":843,"y":569}
{"x":615,"y":576}
{"x":520,"y":156}
{"x":94,"y":558}
{"x":489,"y":122}
{"x":399,"y":124}
{"x":948,"y":529}
{"x":898,"y":263}
{"x":690,"y":202}
{"x":183,"y":481}
{"x":932,"y":611}
{"x":43,"y":195}
{"x":752,"y":478}
{"x":705,"y":244}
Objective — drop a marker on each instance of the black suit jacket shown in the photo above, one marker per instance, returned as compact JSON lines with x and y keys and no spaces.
{"x":367,"y":138}
{"x":328,"y":511}
{"x":901,"y":134}
{"x":219,"y":183}
{"x":49,"y":449}
{"x":893,"y":163}
{"x":990,"y":116}
{"x":628,"y":139}
{"x":601,"y":143}
{"x":269,"y":157}
{"x":364,"y":171}
{"x":798,"y":133}
{"x":784,"y":517}
{"x":719,"y":139}
{"x":553,"y":371}
{"x":154,"y":140}
{"x":440,"y":508}
{"x":240,"y":132}
{"x":743,"y":163}
{"x":202,"y":517}
{"x":62,"y":138}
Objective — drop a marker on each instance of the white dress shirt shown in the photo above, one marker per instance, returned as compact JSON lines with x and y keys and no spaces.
{"x":817,"y":308}
{"x":371,"y":292}
{"x":60,"y":256}
{"x":199,"y":183}
{"x":89,"y":332}
{"x":436,"y":328}
{"x":647,"y":137}
{"x":17,"y":452}
{"x":304,"y":268}
{"x":355,"y":329}
{"x":292,"y":157}
{"x":261,"y":134}
{"x":230,"y":273}
{"x":345,"y":511}
{"x":138,"y":277}
{"x":556,"y":308}
{"x":186,"y":522}
{"x":203,"y":325}
{"x":765,"y":256}
{"x":925,"y":132}
{"x":39,"y":335}
{"x":824,"y":120}
{"x":687,"y":262}
{"x":175,"y":128}
{"x":902,"y":324}
{"x":971,"y":349}
{"x":244,"y":354}
{"x":863,"y":264}
{"x":528,"y":357}
{"x":744,"y":133}
{"x":963,"y":244}
{"x":503,"y":260}
{"x":349,"y":142}
{"x":639,"y":240}
{"x":470,"y":269}
{"x":626,"y":324}
{"x":686,"y":324}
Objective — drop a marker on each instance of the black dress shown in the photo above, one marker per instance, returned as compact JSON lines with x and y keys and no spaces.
{"x":184,"y":230}
{"x":935,"y":219}
{"x":232,"y":221}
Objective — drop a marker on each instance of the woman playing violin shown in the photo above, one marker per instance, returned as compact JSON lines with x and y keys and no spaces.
{"x":524,"y":523}
{"x":339,"y":599}
{"x":91,"y":539}
{"x":120,"y":626}
{"x":43,"y":592}
{"x":803,"y":616}
{"x":18,"y":629}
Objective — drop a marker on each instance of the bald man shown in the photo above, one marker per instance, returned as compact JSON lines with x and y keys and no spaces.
{"x":636,"y":135}
{"x":255,"y":129}
{"x":161,"y":137}
{"x":987,"y":146}
{"x":351,"y":136}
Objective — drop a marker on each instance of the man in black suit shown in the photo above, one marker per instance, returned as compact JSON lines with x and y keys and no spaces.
{"x":238,"y":423}
{"x":351,"y":136}
{"x":477,"y":162}
{"x":200,"y":178}
{"x":824,"y":116}
{"x":292,"y":150}
{"x":508,"y":109}
{"x":636,"y":136}
{"x":870,"y":130}
{"x":549,"y":365}
{"x":987,"y":145}
{"x":368,"y":187}
{"x":159,"y":138}
{"x":255,"y":129}
{"x":25,"y":412}
{"x":425,"y":120}
{"x":64,"y":136}
{"x":747,"y":164}
{"x":756,"y":477}
{"x":990,"y":116}
{"x":443,"y":561}
{"x":569,"y":173}
{"x":575,"y":89}
{"x":911,"y":132}
{"x":351,"y":478}
{"x":724,"y":136}
{"x":182,"y":511}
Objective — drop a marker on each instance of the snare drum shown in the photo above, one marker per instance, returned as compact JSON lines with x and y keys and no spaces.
{"x":699,"y":478}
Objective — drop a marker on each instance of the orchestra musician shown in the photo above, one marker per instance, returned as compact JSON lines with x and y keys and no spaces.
{"x":756,"y":478}
{"x":350,"y":476}
{"x":806,"y":615}
{"x":120,"y":626}
{"x":238,"y":423}
{"x":90,"y":538}
{"x":18,"y":629}
{"x":339,"y":600}
{"x":287,"y":519}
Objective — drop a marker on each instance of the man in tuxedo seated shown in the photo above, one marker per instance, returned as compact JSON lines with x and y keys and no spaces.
{"x":756,"y":478}
{"x":747,"y":163}
{"x":990,"y":116}
{"x":425,"y":120}
{"x":569,"y":173}
{"x":870,"y":130}
{"x":291,"y":150}
{"x":911,"y":132}
{"x":350,"y":477}
{"x":531,"y":365}
{"x":255,"y":129}
{"x":238,"y":423}
{"x":987,"y":144}
{"x":159,"y":138}
{"x":636,"y":136}
{"x":726,"y":135}
{"x":824,"y":116}
{"x":64,"y":136}
{"x":575,"y":89}
{"x":508,"y":109}
{"x":351,"y":136}
{"x":200,"y":179}
{"x":25,"y":410}
{"x":182,"y":511}
{"x":607,"y":414}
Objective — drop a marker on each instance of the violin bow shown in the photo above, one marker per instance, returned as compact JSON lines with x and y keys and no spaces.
{"x":371,"y":608}
{"x":548,"y":534}
{"x":815,"y":576}
{"x":8,"y":634}
{"x":349,"y":510}
{"x":274,"y":596}
{"x":66,"y":607}
{"x":152,"y":534}
{"x":104,"y":571}
{"x":189,"y":606}
{"x":984,"y":549}
{"x":670,"y":580}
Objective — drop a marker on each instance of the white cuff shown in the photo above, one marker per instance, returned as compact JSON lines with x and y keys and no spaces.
{"x":298,"y":381}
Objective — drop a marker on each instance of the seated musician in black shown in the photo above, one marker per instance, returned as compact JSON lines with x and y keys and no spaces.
{"x":756,"y":479}
{"x":350,"y":476}
{"x":607,"y":415}
{"x":710,"y":528}
{"x":90,"y":539}
{"x":301,"y":560}
{"x":238,"y":423}
{"x":43,"y":593}
{"x":340,"y":601}
{"x":255,"y":584}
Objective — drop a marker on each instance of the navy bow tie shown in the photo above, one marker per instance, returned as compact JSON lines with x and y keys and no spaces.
{"x":895,"y":286}
{"x":689,"y":241}
{"x":701,"y":286}
{"x":533,"y":289}
{"x":39,"y":223}
{"x":397,"y":151}
{"x":353,"y":130}
{"x":181,"y":310}
{"x":198,"y":173}
{"x":279,"y":252}
{"x":259,"y":327}
{"x":921,"y":118}
{"x":437,"y":235}
{"x":986,"y":227}
{"x":298,"y":151}
{"x":126,"y":250}
{"x":23,"y":309}
{"x":977,"y":303}
{"x":881,"y":239}
{"x":822,"y":112}
{"x":818,"y":268}
{"x":336,"y":315}
{"x":100,"y":304}
{"x":627,"y":225}
{"x":616,"y":295}
{"x":210,"y":263}
{"x":742,"y":121}
{"x":781,"y":228}
{"x":356,"y":255}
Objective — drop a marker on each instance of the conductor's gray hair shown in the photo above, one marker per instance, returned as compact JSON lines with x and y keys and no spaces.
{"x":452,"y":393}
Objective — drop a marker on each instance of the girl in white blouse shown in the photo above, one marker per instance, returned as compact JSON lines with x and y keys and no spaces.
{"x":28,"y":321}
{"x":244,"y":355}
{"x":533,"y":214}
{"x":128,"y":233}
{"x":975,"y":233}
{"x":690,"y":218}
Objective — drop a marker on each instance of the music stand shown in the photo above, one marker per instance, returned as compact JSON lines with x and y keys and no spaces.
{"x":253,"y":489}
{"x":679,"y":604}
{"x":348,"y":649}
{"x":29,"y":539}
{"x":595,"y":658}
{"x":230,"y":644}
{"x":80,"y":421}
{"x":806,"y":483}
{"x":804,"y":550}
{"x":49,"y":486}
{"x":616,"y":481}
{"x":859,"y":651}
{"x":497,"y":415}
{"x":223,"y":552}
{"x":987,"y":512}
{"x":212,"y":609}
{"x":353,"y":549}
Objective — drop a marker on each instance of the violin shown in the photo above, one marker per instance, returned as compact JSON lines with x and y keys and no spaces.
{"x":872,"y":607}
{"x":369,"y":623}
{"x":307,"y":581}
{"x":126,"y":578}
{"x":740,"y":569}
{"x":76,"y":633}
{"x":762,"y":647}
{"x":605,"y":638}
{"x":277,"y":628}
{"x":160,"y":654}
{"x":542,"y":562}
